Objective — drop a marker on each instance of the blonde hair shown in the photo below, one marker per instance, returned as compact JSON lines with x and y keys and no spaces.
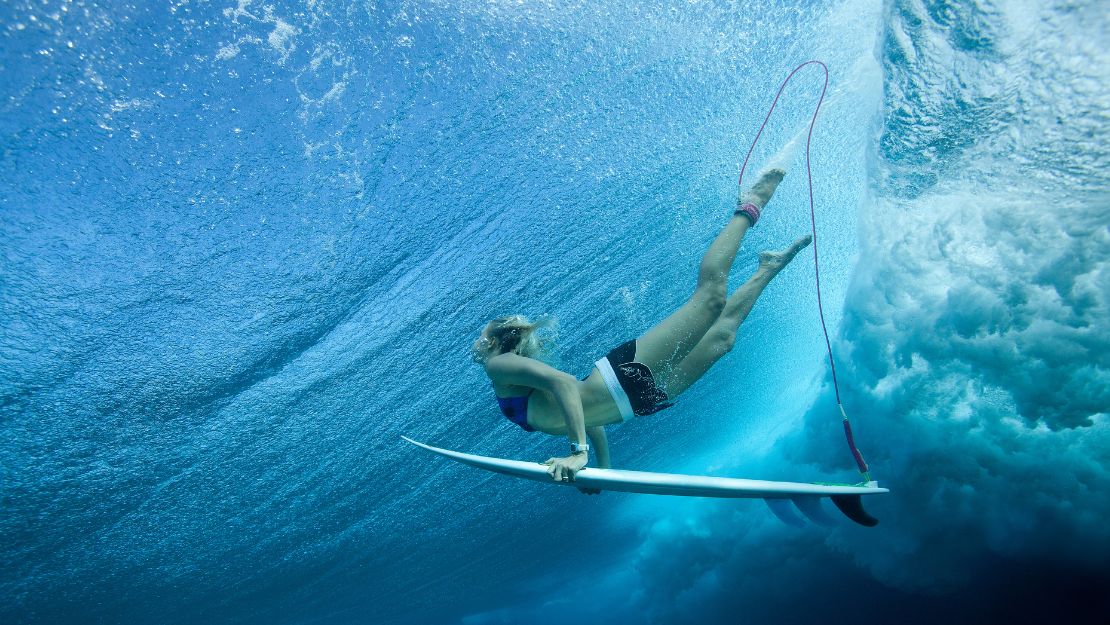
{"x":515,"y":333}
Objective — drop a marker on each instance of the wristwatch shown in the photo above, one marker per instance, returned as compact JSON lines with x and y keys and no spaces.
{"x":579,"y":447}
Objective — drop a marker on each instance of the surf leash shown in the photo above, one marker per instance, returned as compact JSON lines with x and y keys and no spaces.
{"x":860,"y":463}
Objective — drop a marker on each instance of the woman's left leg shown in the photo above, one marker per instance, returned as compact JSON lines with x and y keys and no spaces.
{"x":718,"y":340}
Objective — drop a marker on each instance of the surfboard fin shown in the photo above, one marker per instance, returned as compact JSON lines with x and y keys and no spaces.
{"x":852,"y":507}
{"x":811,"y":508}
{"x":784,"y":512}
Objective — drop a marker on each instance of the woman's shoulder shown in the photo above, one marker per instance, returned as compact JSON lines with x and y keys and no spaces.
{"x":501,"y":369}
{"x":508,"y":359}
{"x":516,"y":370}
{"x":499,"y":366}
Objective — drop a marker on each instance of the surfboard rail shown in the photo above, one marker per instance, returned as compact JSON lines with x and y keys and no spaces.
{"x":804,"y":496}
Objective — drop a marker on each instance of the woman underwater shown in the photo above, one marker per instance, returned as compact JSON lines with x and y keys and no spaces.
{"x":638,"y":377}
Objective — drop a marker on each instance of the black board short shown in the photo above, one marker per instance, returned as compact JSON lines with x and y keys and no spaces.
{"x":636,"y":379}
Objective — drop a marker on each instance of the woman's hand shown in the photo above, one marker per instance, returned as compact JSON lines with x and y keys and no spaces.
{"x":563,"y":469}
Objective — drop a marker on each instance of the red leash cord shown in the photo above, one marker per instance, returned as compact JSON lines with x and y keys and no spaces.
{"x":816,"y":268}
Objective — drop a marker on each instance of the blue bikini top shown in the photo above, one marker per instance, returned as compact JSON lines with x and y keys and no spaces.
{"x":515,"y":409}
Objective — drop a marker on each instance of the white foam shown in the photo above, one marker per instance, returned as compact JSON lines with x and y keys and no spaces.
{"x":789,"y":150}
{"x":228,"y":52}
{"x":281,"y":38}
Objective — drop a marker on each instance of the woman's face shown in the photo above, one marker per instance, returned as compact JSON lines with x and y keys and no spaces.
{"x":483,"y":345}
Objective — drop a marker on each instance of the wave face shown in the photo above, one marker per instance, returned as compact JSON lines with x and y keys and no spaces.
{"x":246,"y":247}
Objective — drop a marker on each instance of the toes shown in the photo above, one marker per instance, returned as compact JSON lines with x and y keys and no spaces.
{"x":764,"y":188}
{"x":771,"y":177}
{"x":779,"y":259}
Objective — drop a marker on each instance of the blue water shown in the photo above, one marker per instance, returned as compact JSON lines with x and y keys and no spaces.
{"x":246,"y":246}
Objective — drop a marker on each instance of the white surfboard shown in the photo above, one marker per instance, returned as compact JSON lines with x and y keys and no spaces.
{"x":805,"y":496}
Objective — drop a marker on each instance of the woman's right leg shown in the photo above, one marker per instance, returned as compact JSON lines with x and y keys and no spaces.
{"x":671,"y":340}
{"x":718,"y":340}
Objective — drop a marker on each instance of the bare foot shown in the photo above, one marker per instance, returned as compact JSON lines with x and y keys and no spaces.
{"x":763,"y":189}
{"x":775,"y":261}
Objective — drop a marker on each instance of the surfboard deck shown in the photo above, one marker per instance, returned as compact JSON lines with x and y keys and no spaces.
{"x":676,"y":484}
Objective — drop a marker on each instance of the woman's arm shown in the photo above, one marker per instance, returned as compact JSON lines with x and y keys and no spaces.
{"x":600,"y":445}
{"x":521,"y":371}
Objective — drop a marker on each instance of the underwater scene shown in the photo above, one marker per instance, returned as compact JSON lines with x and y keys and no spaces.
{"x":246,"y":246}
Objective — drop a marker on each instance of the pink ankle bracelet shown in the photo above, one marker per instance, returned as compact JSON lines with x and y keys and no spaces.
{"x":751,"y":210}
